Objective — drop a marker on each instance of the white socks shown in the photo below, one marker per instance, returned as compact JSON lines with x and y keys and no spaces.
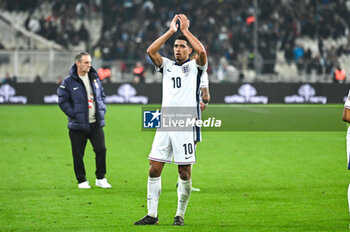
{"x":183,"y":194}
{"x":154,"y":187}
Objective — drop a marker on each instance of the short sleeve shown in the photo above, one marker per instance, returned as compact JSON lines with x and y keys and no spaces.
{"x":204,"y":80}
{"x":204,"y":68}
{"x":347,"y":103}
{"x":165,"y":63}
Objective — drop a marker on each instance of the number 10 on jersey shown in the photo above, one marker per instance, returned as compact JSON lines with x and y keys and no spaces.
{"x":176,"y":82}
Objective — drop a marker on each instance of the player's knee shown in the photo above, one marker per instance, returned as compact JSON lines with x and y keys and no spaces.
{"x":185,"y":176}
{"x":185,"y":173}
{"x":154,"y":171}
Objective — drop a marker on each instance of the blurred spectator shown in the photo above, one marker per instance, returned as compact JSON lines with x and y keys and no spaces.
{"x":81,"y":9}
{"x":307,"y":61}
{"x":299,"y":58}
{"x":8,"y":79}
{"x":288,"y":53}
{"x":37,"y":79}
{"x":139,"y":73}
{"x":104,"y":73}
{"x":59,"y":80}
{"x":339,"y":75}
{"x":83,"y":33}
{"x":318,"y":64}
{"x":34,"y":25}
{"x":123,"y":68}
{"x":298,"y":53}
{"x":270,"y":60}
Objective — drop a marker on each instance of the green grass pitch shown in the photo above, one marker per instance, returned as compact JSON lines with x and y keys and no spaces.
{"x":249,"y":181}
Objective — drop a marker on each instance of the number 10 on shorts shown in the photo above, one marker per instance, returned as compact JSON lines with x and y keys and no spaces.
{"x":188,"y":148}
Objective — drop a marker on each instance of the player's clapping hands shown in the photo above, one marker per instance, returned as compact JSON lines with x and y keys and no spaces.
{"x":173,"y":25}
{"x":184,"y":22}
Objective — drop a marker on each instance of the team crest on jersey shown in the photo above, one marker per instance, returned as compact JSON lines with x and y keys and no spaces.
{"x":185,"y":69}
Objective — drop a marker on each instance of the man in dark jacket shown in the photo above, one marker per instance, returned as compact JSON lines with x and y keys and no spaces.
{"x":82,"y":99}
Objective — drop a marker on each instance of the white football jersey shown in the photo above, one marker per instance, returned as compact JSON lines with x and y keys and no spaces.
{"x":347,"y":103}
{"x":204,"y":80}
{"x":181,"y":83}
{"x":204,"y":83}
{"x":347,"y":106}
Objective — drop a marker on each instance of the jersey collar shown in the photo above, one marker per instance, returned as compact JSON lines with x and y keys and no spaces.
{"x":183,"y":62}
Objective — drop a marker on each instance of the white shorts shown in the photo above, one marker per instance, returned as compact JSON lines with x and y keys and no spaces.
{"x":174,"y":144}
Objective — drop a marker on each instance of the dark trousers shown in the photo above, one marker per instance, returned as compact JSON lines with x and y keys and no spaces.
{"x":78,"y":141}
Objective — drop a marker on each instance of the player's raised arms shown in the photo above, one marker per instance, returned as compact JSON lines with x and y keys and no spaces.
{"x":153,"y":49}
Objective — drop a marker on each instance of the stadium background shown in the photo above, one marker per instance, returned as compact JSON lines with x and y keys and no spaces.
{"x":259,"y":52}
{"x":247,"y":42}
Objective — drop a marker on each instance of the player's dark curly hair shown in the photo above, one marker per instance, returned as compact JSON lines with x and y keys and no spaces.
{"x":182,"y":37}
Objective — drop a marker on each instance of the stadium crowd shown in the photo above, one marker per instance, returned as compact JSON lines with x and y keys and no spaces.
{"x":58,"y":23}
{"x":225,"y":26}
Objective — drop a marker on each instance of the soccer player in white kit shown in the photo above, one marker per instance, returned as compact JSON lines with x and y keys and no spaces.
{"x":346,"y":118}
{"x":181,"y":81}
{"x":205,"y":97}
